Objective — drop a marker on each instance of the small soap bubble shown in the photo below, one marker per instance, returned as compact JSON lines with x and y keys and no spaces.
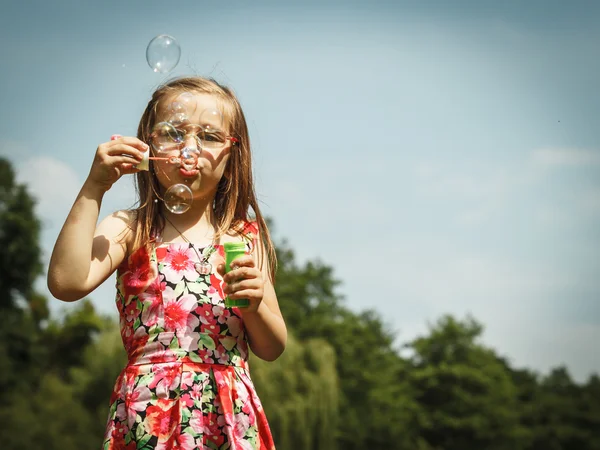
{"x":178,"y":198}
{"x":212,"y":136}
{"x":163,"y":53}
{"x":165,"y":137}
{"x":188,"y":100}
{"x":177,"y":113}
{"x":189,"y":158}
{"x":177,"y":108}
{"x":211,"y":119}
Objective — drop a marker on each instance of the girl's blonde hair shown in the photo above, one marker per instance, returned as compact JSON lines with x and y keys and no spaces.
{"x":235,"y":191}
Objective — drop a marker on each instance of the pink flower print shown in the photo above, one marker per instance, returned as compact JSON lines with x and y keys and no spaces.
{"x":166,"y":379}
{"x":211,"y":430}
{"x":197,"y":390}
{"x":138,"y":401}
{"x":209,"y":328}
{"x":221,"y":313}
{"x":121,"y":412}
{"x":205,"y":313}
{"x":141,"y":273}
{"x":179,"y":263}
{"x":216,"y":286}
{"x":222,"y":356}
{"x":247,"y":408}
{"x":131,"y":312}
{"x":187,"y":401}
{"x":187,"y":379}
{"x":224,"y":316}
{"x":185,"y":441}
{"x":205,"y":356}
{"x":188,"y":341}
{"x":152,"y":298}
{"x":159,"y":356}
{"x":197,"y":421}
{"x":162,"y":419}
{"x":240,"y":426}
{"x":234,"y":325}
{"x":138,"y":340}
{"x":177,"y":312}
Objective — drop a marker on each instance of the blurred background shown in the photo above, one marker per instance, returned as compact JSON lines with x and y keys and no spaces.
{"x":432,"y":174}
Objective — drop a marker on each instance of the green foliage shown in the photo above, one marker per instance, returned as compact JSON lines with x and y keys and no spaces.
{"x":299,"y":392}
{"x":468,"y":398}
{"x":20,"y":262}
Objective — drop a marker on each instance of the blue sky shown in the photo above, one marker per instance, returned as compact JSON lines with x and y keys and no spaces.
{"x":443,"y":157}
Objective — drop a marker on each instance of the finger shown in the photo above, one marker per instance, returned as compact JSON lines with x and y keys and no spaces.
{"x":128,"y":168}
{"x":243,"y":261}
{"x":250,"y":294}
{"x":129,"y":140}
{"x":251,"y":284}
{"x":123,"y":149}
{"x":221,"y":270}
{"x":242,"y":273}
{"x":122,"y":159}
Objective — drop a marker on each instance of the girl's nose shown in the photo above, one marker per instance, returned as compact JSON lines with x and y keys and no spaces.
{"x":191,"y":142}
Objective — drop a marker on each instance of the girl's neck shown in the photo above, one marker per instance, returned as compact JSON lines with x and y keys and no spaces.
{"x":199,"y":218}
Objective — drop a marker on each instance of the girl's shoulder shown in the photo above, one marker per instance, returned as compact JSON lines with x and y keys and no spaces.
{"x":119,"y":225}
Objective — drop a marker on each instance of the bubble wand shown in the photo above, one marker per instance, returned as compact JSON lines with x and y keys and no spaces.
{"x":188,"y":160}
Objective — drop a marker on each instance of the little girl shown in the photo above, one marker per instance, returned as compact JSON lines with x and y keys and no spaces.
{"x":187,"y":383}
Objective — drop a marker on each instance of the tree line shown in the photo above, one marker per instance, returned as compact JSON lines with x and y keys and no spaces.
{"x":342,"y":382}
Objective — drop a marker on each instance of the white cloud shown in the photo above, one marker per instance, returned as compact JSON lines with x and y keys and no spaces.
{"x":53,"y":183}
{"x":565,"y":157}
{"x":416,"y":282}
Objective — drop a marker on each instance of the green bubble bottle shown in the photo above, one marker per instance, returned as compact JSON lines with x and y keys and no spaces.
{"x":234,"y":250}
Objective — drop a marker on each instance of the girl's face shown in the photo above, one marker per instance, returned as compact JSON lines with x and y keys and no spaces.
{"x":192,"y":136}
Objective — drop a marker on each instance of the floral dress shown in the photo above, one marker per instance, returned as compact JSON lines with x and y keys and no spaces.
{"x":186,"y":385}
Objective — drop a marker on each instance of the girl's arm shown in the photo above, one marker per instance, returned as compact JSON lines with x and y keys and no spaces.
{"x":85,"y":255}
{"x":263,"y":321}
{"x":266,"y":328}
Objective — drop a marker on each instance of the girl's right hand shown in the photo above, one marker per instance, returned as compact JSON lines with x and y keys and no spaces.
{"x":114,"y":159}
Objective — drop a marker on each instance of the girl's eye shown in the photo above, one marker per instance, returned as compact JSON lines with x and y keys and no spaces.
{"x":179,"y":136}
{"x":214,"y":137}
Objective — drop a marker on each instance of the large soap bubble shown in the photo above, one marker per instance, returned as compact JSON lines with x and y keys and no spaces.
{"x":178,"y":198}
{"x":163,"y":53}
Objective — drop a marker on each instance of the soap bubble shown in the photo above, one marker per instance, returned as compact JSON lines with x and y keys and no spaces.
{"x":189,"y":158}
{"x":163,"y":53}
{"x":211,"y":119}
{"x":177,"y":113}
{"x":178,"y":198}
{"x":188,"y":101}
{"x":165,"y":137}
{"x":212,"y":137}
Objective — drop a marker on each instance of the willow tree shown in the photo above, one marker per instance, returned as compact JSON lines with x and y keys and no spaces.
{"x":299,"y":392}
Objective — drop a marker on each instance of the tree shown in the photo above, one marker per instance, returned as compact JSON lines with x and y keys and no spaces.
{"x":467,"y":395}
{"x":20,"y":259}
{"x":21,"y":308}
{"x":299,"y":392}
{"x":376,"y":409}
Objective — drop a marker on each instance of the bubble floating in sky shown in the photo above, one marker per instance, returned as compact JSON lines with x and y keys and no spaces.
{"x":163,"y":53}
{"x":178,"y":198}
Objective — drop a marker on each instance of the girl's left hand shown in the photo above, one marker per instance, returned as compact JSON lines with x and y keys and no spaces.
{"x":244,"y":280}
